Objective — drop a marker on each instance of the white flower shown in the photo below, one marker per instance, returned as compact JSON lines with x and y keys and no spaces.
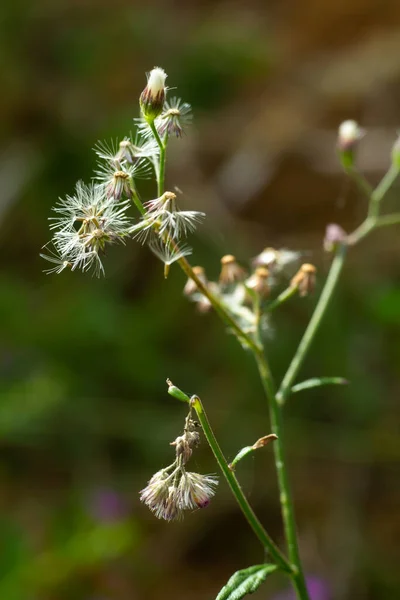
{"x":168,"y":252}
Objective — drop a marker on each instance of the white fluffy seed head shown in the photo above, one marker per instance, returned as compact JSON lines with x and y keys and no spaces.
{"x":156,"y":80}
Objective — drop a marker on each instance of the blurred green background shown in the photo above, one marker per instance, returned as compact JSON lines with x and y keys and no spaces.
{"x":85,"y":419}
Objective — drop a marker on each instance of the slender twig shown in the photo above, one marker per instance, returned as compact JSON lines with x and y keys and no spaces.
{"x":361,"y":182}
{"x":381,"y":190}
{"x":237,"y":491}
{"x":283,"y":296}
{"x":162,"y":146}
{"x":313,"y":326}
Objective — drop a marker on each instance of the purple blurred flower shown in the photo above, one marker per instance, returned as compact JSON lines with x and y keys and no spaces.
{"x":107,"y":505}
{"x":317,"y":587}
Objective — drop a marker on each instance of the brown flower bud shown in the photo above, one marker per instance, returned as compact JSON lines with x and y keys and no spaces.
{"x":304,"y":279}
{"x":231,"y":271}
{"x":258,"y":282}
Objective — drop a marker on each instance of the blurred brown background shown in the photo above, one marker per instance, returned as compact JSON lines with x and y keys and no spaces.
{"x":84,"y":415}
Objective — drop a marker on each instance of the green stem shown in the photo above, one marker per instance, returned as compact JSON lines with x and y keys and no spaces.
{"x":136,"y":199}
{"x":312,"y":328}
{"x":363,"y":184}
{"x":387,"y":220}
{"x":237,"y":491}
{"x":286,"y":499}
{"x":162,"y":146}
{"x":285,"y":295}
{"x":381,"y":190}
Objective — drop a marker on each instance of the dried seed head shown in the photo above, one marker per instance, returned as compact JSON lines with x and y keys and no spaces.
{"x":258,"y":282}
{"x":183,"y":448}
{"x":304,"y":279}
{"x":195,"y":490}
{"x":231,"y":271}
{"x":175,"y":116}
{"x":153,"y":96}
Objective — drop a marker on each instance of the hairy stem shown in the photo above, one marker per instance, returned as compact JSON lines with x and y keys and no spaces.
{"x":286,"y":500}
{"x":237,"y":491}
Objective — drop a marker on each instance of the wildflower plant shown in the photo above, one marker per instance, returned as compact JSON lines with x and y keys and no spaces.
{"x":244,"y":298}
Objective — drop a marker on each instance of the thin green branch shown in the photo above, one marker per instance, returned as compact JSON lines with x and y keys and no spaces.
{"x":313,"y":326}
{"x":283,"y":297}
{"x":361,"y":182}
{"x":161,"y":173}
{"x":318,"y":382}
{"x":381,"y":190}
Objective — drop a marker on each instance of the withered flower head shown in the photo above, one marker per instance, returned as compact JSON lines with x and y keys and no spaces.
{"x":195,"y":490}
{"x":173,"y":490}
{"x":304,"y":279}
{"x":175,"y":116}
{"x":231,"y":271}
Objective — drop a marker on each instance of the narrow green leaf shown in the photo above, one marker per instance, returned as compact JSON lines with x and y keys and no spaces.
{"x":245,"y":582}
{"x":317,"y":382}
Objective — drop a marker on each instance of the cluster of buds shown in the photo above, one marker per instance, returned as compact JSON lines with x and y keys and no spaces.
{"x":243,"y":294}
{"x":173,"y":490}
{"x":258,"y":282}
{"x":304,"y":280}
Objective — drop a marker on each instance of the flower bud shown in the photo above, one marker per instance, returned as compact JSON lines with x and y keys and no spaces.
{"x":334,"y":236}
{"x":153,"y":96}
{"x":349,"y":135}
{"x":231,"y":271}
{"x":304,"y":279}
{"x":258,"y":282}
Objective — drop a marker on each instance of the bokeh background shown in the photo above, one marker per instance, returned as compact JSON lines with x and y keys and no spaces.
{"x":84,"y":415}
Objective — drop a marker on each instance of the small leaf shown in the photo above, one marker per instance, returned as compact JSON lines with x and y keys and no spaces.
{"x":266,"y":439}
{"x":317,"y":382}
{"x":245,"y":582}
